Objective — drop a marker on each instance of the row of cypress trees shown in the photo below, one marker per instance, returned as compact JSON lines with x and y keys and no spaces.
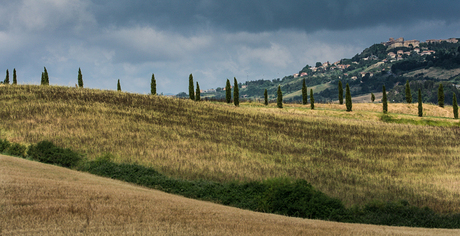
{"x":7,"y":77}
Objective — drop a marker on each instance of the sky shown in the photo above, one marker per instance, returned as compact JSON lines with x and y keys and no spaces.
{"x":214,"y":40}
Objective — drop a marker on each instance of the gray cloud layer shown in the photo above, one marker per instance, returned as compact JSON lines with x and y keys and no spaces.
{"x":214,"y":40}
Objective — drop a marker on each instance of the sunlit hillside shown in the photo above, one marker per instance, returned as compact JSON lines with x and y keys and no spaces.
{"x":353,"y":156}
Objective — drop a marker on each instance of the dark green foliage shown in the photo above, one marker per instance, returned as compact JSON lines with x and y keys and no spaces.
{"x":304,"y":93}
{"x":266,"y":97}
{"x":15,"y":80}
{"x":408,"y":94}
{"x":455,"y":106}
{"x":191,"y":90}
{"x":348,"y":98}
{"x":4,"y":145}
{"x":47,"y":152}
{"x":429,"y":86}
{"x":198,"y":93}
{"x":46,"y":78}
{"x":153,"y":85}
{"x":420,"y":106}
{"x":7,"y":78}
{"x":228,"y":92}
{"x":280,"y":196}
{"x":236,"y":93}
{"x":372,"y":97}
{"x":80,"y":78}
{"x":340,"y":92}
{"x":312,"y":100}
{"x":118,"y":86}
{"x":16,"y":149}
{"x":280,"y":98}
{"x":440,"y":95}
{"x":384,"y":100}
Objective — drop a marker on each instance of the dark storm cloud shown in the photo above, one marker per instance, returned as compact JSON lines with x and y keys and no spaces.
{"x":269,"y":15}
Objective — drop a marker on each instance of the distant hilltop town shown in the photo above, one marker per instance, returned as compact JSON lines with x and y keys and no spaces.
{"x":396,"y":43}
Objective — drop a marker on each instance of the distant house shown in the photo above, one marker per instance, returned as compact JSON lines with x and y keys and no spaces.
{"x":296,"y":75}
{"x":417,"y":50}
{"x":304,"y":74}
{"x":343,"y":67}
{"x":244,"y":86}
{"x":392,"y":54}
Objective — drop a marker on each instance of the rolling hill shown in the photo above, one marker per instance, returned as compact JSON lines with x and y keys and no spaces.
{"x":390,"y":63}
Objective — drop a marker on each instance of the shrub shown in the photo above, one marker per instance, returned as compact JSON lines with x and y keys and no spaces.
{"x":16,"y":149}
{"x":47,"y":152}
{"x":4,"y":145}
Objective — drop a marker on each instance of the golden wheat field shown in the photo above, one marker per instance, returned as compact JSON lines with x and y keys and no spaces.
{"x":353,"y":156}
{"x":41,"y":199}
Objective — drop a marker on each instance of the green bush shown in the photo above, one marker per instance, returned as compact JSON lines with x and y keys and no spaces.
{"x":16,"y":149}
{"x":4,"y":145}
{"x":47,"y":152}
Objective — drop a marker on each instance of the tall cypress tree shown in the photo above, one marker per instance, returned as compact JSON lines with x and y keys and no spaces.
{"x":266,"y":97}
{"x":118,"y":86}
{"x":372,"y":97}
{"x":312,"y":100}
{"x":198,"y":93}
{"x":47,"y":78}
{"x":7,"y":78}
{"x":43,"y":82}
{"x":304,"y":93}
{"x":348,"y":98}
{"x":191,"y":90}
{"x":420,"y":106}
{"x":384,"y":100}
{"x":408,"y":94}
{"x":80,"y":79}
{"x":236,"y":93}
{"x":153,"y":85}
{"x":15,"y":80}
{"x":455,"y":106}
{"x":340,"y":92}
{"x":441,"y":95}
{"x":280,"y":98}
{"x":228,"y":92}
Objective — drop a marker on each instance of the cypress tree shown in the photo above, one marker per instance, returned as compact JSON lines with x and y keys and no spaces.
{"x":348,"y":98}
{"x":340,"y":92}
{"x":228,"y":92}
{"x":384,"y":100}
{"x":304,"y":93}
{"x":236,"y":93}
{"x":372,"y":97}
{"x":191,"y":90}
{"x":266,"y":97}
{"x":420,"y":106}
{"x":441,"y":95}
{"x":7,"y":78}
{"x":280,"y":97}
{"x":454,"y":105}
{"x":43,"y":79}
{"x":15,"y":80}
{"x":153,"y":85}
{"x":80,"y":79}
{"x":198,"y":92}
{"x":118,"y":86}
{"x":47,"y":78}
{"x":312,"y":100}
{"x":408,"y":94}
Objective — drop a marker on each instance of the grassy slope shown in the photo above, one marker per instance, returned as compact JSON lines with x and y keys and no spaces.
{"x":43,"y":199}
{"x":351,"y":156}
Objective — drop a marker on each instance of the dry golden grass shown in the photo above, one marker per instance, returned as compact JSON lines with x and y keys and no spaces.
{"x":352,"y":156}
{"x":40,"y":199}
